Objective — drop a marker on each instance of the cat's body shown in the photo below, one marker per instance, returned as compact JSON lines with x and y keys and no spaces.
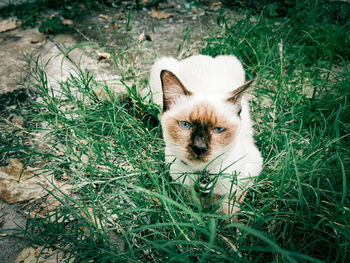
{"x":206,"y":123}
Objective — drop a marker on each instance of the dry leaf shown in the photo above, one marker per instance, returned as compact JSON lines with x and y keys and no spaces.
{"x":216,"y":4}
{"x":8,"y":24}
{"x":111,"y":27}
{"x":115,"y":89}
{"x":141,"y":37}
{"x":52,"y":213}
{"x":100,"y":93}
{"x":103,"y":55}
{"x":155,"y":199}
{"x":67,"y":22}
{"x":162,"y":6}
{"x":159,"y":14}
{"x":170,"y":5}
{"x":84,"y":158}
{"x":91,"y":218}
{"x":38,"y":39}
{"x":80,"y":157}
{"x":41,"y":254}
{"x":103,"y":16}
{"x":26,"y":204}
{"x":51,"y":203}
{"x":35,"y":214}
{"x":26,"y":256}
{"x":83,"y":141}
{"x":17,"y":121}
{"x":18,"y":185}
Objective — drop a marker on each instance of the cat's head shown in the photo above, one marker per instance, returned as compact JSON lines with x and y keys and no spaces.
{"x":198,"y":128}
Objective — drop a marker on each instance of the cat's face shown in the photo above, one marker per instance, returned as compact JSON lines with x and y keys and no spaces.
{"x":197,"y":130}
{"x":198,"y":133}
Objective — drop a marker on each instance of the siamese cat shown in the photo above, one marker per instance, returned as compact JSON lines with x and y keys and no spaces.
{"x":206,"y":125}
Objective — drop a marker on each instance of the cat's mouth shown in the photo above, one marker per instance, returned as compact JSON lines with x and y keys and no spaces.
{"x":205,"y":183}
{"x":198,"y":158}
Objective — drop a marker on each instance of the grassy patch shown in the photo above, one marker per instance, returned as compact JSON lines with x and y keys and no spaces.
{"x":123,"y":206}
{"x":302,"y":116}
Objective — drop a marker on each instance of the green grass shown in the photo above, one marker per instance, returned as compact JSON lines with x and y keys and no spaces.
{"x":111,"y":151}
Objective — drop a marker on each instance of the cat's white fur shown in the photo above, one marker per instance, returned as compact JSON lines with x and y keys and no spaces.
{"x":211,"y":80}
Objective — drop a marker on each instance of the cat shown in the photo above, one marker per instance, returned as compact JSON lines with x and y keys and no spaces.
{"x":206,"y":125}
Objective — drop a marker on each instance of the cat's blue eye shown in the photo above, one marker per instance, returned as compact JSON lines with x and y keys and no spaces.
{"x":218,"y":130}
{"x":185,"y":125}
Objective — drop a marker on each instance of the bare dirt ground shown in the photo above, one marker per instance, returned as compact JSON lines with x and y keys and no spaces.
{"x":140,"y":36}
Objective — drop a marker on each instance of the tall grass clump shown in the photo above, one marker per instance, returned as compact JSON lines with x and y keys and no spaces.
{"x":121,"y":205}
{"x":301,"y":108}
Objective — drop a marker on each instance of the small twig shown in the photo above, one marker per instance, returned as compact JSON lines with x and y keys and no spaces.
{"x":29,"y":203}
{"x":82,"y":34}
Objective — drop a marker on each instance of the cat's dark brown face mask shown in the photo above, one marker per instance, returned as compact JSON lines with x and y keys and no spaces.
{"x":199,"y":140}
{"x":200,"y":132}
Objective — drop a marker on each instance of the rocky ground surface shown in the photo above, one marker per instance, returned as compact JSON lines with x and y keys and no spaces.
{"x":176,"y":28}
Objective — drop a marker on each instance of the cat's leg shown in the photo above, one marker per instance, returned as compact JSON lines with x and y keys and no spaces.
{"x":231,"y":206}
{"x":232,"y":203}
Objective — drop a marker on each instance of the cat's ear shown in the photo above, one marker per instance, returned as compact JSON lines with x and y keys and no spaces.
{"x":236,"y":95}
{"x":172,"y":88}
